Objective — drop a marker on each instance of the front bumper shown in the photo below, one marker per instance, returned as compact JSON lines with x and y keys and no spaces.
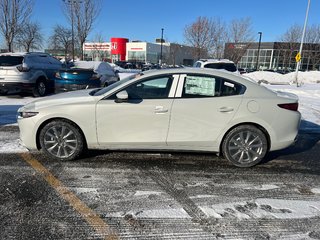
{"x":27,"y":133}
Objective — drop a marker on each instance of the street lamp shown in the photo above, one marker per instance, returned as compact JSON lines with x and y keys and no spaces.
{"x":161,"y":46}
{"x":298,"y":56}
{"x":260,"y":33}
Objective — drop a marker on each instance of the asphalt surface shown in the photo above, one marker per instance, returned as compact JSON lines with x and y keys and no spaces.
{"x":132,"y":195}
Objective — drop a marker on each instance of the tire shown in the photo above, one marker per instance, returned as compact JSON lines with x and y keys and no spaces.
{"x":245,"y":146}
{"x":40,"y":90}
{"x":61,"y":140}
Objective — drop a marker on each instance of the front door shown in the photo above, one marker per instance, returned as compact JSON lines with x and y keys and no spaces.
{"x":141,"y":121}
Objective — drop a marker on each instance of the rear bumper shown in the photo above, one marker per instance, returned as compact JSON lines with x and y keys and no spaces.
{"x":60,"y":87}
{"x":16,"y":87}
{"x":71,"y":86}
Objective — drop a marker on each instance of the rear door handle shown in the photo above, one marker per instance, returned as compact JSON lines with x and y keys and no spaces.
{"x":225,"y":109}
{"x":160,"y":110}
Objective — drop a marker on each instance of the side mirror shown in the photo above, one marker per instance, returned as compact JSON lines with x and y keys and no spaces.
{"x":122,"y":97}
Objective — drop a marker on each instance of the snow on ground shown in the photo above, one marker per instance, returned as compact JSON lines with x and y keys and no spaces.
{"x":265,"y":208}
{"x":9,"y":106}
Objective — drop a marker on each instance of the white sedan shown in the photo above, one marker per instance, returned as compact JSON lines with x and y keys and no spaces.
{"x":176,"y":109}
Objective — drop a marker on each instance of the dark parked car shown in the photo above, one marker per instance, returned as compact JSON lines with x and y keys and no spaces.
{"x":85,"y":75}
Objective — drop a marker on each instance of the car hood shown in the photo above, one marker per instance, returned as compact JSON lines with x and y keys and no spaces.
{"x":59,"y":99}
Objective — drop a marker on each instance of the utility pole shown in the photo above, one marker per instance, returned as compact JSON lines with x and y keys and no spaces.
{"x":160,"y":62}
{"x":260,"y":33}
{"x":298,"y":56}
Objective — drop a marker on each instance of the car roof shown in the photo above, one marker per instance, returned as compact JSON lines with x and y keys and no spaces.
{"x":189,"y":70}
{"x":209,"y":71}
{"x":218,"y":60}
{"x":23,"y":53}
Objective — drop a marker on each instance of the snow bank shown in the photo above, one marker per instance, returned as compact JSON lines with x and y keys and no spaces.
{"x":277,"y":78}
{"x":97,"y":66}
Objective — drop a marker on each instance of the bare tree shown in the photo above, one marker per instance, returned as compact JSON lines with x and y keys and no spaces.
{"x":219,"y":38}
{"x":30,"y":37}
{"x":312,"y":47}
{"x":13,"y":15}
{"x":81,"y":15}
{"x":239,"y":32}
{"x":61,"y":39}
{"x":99,"y":47}
{"x":200,"y":36}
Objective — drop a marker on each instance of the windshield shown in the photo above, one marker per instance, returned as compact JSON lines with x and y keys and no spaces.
{"x":9,"y":61}
{"x":114,"y":85}
{"x":226,"y":66}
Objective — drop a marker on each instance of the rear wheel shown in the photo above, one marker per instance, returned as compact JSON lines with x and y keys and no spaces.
{"x":40,"y":89}
{"x":61,"y":140}
{"x":245,"y":146}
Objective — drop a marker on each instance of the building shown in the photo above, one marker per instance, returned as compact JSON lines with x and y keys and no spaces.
{"x":120,"y":49}
{"x":273,"y":55}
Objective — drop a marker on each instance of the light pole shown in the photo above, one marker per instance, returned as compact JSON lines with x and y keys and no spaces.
{"x":260,"y":33}
{"x":160,"y":62}
{"x":298,"y":56}
{"x":71,"y":2}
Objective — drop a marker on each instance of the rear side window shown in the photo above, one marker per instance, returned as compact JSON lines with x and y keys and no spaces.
{"x":8,"y":61}
{"x":199,"y":86}
{"x":226,"y":66}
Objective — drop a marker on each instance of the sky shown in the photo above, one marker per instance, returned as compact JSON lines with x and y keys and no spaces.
{"x":143,"y":19}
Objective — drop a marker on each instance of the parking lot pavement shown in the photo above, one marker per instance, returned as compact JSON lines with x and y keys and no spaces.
{"x":130,"y":195}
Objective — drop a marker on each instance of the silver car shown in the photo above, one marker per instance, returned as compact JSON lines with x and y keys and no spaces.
{"x":178,"y":109}
{"x":28,"y":73}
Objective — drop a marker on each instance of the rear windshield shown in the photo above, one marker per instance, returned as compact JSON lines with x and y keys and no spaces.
{"x":226,"y":66}
{"x":7,"y":61}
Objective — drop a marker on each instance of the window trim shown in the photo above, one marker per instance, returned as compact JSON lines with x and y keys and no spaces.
{"x":173,"y":84}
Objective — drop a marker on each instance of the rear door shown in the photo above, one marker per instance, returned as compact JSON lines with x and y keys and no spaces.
{"x":203,"y":106}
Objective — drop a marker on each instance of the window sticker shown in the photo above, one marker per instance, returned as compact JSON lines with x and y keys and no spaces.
{"x":228,"y":84}
{"x":200,"y":85}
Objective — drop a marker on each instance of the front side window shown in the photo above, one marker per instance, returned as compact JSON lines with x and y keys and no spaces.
{"x":155,"y":88}
{"x":198,"y":86}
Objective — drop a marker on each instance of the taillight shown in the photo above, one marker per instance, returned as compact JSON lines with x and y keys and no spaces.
{"x":289,"y":106}
{"x":23,"y":69}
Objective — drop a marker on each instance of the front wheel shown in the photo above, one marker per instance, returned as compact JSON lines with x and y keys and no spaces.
{"x":40,"y":89}
{"x":61,"y":140}
{"x":245,"y":146}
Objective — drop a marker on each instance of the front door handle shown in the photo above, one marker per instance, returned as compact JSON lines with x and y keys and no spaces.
{"x":225,"y":109}
{"x":160,"y":110}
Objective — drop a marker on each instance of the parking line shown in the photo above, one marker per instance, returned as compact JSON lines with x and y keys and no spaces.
{"x":87,"y":213}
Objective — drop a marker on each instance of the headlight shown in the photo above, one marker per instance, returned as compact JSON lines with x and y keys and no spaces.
{"x":27,"y":114}
{"x":94,"y":76}
{"x":57,"y":75}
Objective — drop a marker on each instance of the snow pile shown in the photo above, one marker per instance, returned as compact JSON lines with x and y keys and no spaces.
{"x":101,"y":68}
{"x":277,"y":78}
